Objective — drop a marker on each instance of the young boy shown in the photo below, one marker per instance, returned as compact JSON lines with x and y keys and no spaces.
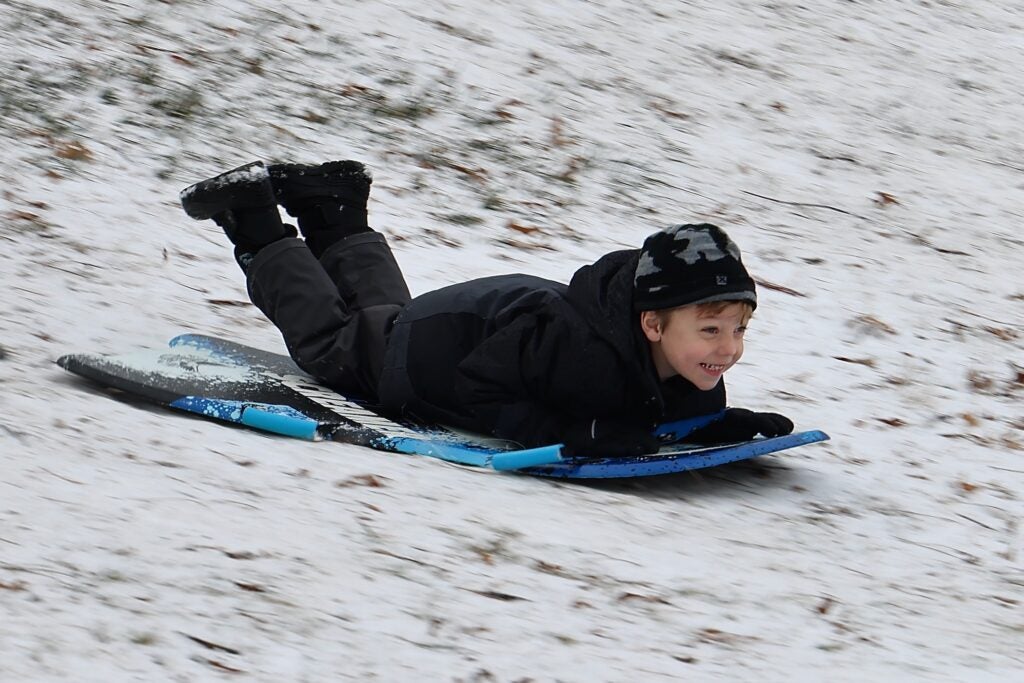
{"x":638,"y":338}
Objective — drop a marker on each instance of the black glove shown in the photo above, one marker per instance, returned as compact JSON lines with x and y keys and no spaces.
{"x":740,"y":424}
{"x":609,"y":438}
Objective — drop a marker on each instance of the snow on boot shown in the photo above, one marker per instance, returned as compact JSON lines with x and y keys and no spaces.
{"x":247,"y":186}
{"x":241,"y":201}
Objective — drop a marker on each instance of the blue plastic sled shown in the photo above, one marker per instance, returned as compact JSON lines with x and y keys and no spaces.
{"x":229,"y":382}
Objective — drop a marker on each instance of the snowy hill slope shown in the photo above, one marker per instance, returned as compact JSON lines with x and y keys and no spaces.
{"x":865,"y":156}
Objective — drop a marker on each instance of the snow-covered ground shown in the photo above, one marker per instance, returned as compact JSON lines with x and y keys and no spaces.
{"x":865,"y":155}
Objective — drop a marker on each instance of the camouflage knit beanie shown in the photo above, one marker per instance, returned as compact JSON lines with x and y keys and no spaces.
{"x":690,"y":264}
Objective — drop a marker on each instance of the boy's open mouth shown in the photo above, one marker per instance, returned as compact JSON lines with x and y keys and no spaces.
{"x":713,"y":368}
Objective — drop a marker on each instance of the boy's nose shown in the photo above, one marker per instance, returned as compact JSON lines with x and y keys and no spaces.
{"x":728,"y":346}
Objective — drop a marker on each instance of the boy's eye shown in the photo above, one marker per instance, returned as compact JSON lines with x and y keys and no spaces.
{"x":710,"y":330}
{"x":741,"y":330}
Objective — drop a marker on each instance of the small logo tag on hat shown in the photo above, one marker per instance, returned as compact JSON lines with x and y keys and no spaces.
{"x":721,"y":279}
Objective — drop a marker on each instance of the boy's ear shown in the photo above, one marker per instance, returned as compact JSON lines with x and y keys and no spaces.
{"x":650,"y":323}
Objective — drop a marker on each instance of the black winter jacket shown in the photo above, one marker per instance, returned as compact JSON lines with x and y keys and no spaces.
{"x":524,"y":358}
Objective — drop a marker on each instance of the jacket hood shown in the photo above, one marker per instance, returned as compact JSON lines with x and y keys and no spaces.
{"x":603,"y":293}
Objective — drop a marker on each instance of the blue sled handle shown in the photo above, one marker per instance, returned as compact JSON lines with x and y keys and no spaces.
{"x":276,"y":423}
{"x":530,"y":457}
{"x":268,"y":417}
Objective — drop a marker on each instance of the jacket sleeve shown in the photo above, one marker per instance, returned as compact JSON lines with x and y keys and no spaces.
{"x":516,"y":382}
{"x":536,"y":379}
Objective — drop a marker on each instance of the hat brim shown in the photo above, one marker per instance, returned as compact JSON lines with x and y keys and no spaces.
{"x":693,"y":298}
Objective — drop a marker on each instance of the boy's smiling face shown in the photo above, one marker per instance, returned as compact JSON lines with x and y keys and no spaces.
{"x":699,"y":345}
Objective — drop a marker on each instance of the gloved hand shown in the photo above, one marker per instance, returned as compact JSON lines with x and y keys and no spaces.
{"x":740,"y":424}
{"x":609,"y":438}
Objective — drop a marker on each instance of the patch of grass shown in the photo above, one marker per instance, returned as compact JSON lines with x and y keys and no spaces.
{"x":146,"y":73}
{"x":493,"y":202}
{"x":463,"y":219}
{"x":144,"y":639}
{"x":182,"y":104}
{"x":402,"y":110}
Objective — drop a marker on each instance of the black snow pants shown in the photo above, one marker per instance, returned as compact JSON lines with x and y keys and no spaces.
{"x":335,"y":313}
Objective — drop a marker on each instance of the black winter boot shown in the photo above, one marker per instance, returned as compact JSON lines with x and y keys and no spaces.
{"x":241,"y":201}
{"x":245,"y":186}
{"x":329,"y":200}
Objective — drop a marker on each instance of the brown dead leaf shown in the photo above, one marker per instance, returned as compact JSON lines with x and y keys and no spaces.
{"x":967,"y":486}
{"x":549,"y":567}
{"x":571,"y":169}
{"x":27,"y":216}
{"x":872,"y":323}
{"x":636,"y":597}
{"x":558,"y":138}
{"x":525,"y":229}
{"x":892,"y":421}
{"x":503,"y":114}
{"x":241,"y":554}
{"x":478,"y":174}
{"x":313,"y":117}
{"x":13,"y":586}
{"x":825,"y":605}
{"x":353,"y":90}
{"x":884,"y":199}
{"x":499,"y":595}
{"x":971,"y":420}
{"x":669,"y":112}
{"x":1003,"y":333}
{"x":979,"y":381}
{"x":869,"y":362}
{"x":74,"y":151}
{"x":714,"y":635}
{"x":251,"y":587}
{"x":224,"y":667}
{"x":778,"y":288}
{"x":371,"y":480}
